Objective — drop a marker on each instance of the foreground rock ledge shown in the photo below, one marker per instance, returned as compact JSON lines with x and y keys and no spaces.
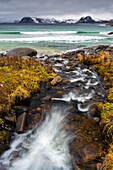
{"x":19,"y":52}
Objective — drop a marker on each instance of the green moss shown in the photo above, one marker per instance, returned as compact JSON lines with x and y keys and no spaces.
{"x":4,"y":135}
{"x":108,"y":163}
{"x":106,"y":111}
{"x":19,"y":78}
{"x":110,"y":95}
{"x":4,"y":141}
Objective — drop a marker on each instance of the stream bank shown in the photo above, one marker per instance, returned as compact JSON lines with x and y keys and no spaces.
{"x":78,"y":90}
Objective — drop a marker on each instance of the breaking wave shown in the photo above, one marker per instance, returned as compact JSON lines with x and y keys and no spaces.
{"x":66,"y":39}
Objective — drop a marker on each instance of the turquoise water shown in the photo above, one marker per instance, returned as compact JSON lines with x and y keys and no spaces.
{"x":54,"y":38}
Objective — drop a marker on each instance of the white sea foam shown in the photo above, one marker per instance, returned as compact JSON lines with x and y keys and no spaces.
{"x":67,"y":39}
{"x":102,"y":25}
{"x":47,"y":147}
{"x":49,"y":32}
{"x":104,"y":33}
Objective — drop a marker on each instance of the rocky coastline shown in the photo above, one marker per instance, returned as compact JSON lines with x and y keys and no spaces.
{"x":95,"y":130}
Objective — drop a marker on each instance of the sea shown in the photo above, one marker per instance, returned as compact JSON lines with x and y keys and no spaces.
{"x":54,"y":39}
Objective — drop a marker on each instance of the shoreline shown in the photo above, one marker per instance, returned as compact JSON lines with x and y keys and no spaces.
{"x":68,"y":52}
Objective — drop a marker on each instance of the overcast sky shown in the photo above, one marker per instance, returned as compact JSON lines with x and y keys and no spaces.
{"x":11,"y":10}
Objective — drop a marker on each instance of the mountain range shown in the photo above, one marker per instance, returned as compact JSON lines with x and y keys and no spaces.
{"x":87,"y":19}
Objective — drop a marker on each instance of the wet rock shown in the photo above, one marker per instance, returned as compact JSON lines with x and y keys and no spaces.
{"x":10,"y":119}
{"x":22,"y":52}
{"x":56,"y":80}
{"x":109,"y":49}
{"x":90,"y":152}
{"x":56,"y":56}
{"x":96,"y":119}
{"x":99,"y":166}
{"x":93,"y":68}
{"x":2,"y":123}
{"x":92,"y":110}
{"x":77,"y":168}
{"x":65,"y":82}
{"x":101,"y":47}
{"x":47,"y":98}
{"x":21,"y":123}
{"x":20,"y":110}
{"x":13,"y":155}
{"x":110,"y":33}
{"x":48,"y":85}
{"x":70,"y":63}
{"x":2,"y":55}
{"x":70,"y":69}
{"x":58,"y":61}
{"x":4,"y":141}
{"x":96,"y":49}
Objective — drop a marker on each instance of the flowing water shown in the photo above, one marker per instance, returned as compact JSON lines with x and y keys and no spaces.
{"x":42,"y":148}
{"x":47,"y":145}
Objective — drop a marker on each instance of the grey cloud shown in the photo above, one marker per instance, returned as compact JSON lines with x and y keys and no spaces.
{"x":16,"y":9}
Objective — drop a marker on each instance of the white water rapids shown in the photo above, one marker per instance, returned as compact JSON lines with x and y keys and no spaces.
{"x":45,"y":149}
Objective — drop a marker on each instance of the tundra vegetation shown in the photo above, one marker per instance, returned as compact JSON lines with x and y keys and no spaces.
{"x":102,"y":63}
{"x":19,"y":79}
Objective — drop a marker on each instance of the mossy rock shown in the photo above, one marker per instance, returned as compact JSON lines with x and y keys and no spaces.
{"x":4,"y":141}
{"x":2,"y":123}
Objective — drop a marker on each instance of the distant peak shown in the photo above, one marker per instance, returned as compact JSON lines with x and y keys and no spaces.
{"x":87,"y":19}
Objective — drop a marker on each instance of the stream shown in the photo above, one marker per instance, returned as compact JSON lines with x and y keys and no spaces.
{"x":60,"y":127}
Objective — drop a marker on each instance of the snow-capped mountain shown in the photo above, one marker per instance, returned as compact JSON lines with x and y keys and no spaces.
{"x":87,"y":19}
{"x":46,"y":21}
{"x":38,"y":20}
{"x":68,"y":21}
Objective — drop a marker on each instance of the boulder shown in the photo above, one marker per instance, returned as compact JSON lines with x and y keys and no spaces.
{"x":56,"y":80}
{"x":21,"y":123}
{"x":10,"y":119}
{"x":91,"y":152}
{"x":19,"y":52}
{"x":110,"y":33}
{"x":47,"y":98}
{"x":92,"y":110}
